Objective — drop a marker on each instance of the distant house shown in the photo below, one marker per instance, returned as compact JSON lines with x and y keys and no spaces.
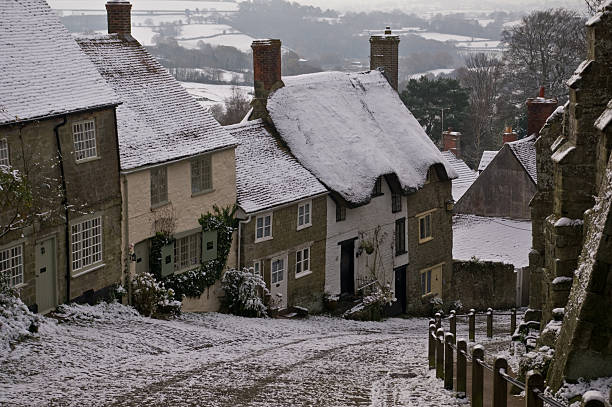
{"x":507,"y":182}
{"x":57,"y":125}
{"x":387,"y":211}
{"x":176,"y":160}
{"x":284,"y":218}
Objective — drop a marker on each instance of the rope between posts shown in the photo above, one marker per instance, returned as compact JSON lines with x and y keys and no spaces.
{"x":546,"y":399}
{"x":486,"y":366}
{"x":511,"y":379}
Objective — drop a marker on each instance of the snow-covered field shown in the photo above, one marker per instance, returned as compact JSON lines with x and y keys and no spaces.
{"x":109,"y":355}
{"x":495,"y":239}
{"x":208,"y":95}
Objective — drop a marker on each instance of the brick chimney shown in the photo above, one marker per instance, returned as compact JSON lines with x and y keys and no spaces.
{"x":451,"y":141}
{"x":538,"y":110}
{"x":118,"y":14}
{"x":509,"y":135}
{"x":266,"y":73}
{"x":384,"y":54}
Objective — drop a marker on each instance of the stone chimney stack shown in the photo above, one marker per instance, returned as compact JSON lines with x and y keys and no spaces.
{"x":538,"y":110}
{"x":509,"y":135}
{"x":266,"y":73}
{"x":384,"y":54}
{"x":451,"y":141}
{"x":118,"y":14}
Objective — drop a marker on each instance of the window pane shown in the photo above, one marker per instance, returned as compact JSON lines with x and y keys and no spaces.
{"x":428,"y":225}
{"x":267,"y":220}
{"x":422,"y":228}
{"x":86,"y":243}
{"x":4,"y":153}
{"x":84,"y":137}
{"x":428,"y":281}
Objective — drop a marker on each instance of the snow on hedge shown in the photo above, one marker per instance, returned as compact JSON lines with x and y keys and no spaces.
{"x":17,"y":323}
{"x":348,"y":129}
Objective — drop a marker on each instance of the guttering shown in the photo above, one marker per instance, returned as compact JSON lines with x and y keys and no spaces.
{"x":175,"y":160}
{"x":60,"y":159}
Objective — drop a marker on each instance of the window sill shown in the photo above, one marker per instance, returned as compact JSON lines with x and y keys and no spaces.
{"x":428,"y":239}
{"x":397,"y":254}
{"x":89,"y":159}
{"x":306,"y":226}
{"x":19,"y":286}
{"x":89,"y":270}
{"x":159,"y":205}
{"x":263,"y":239}
{"x":303,"y":274}
{"x":203,"y":192}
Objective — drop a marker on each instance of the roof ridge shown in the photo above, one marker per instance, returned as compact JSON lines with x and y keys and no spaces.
{"x":248,"y":123}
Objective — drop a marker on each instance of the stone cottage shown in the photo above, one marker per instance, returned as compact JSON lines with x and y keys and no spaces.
{"x":57,"y":127}
{"x":283,"y":218}
{"x":571,"y":263}
{"x":176,"y":160}
{"x":388,"y":210}
{"x":507,"y":183}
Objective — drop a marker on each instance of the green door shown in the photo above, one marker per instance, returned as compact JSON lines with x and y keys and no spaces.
{"x":46,"y":279}
{"x":209,"y":245}
{"x":167,"y":260}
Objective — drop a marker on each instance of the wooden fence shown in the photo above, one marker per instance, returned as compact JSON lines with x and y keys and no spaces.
{"x":445,"y":350}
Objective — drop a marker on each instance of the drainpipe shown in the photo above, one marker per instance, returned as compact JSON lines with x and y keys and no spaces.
{"x":247,"y":220}
{"x":64,"y":204}
{"x":127,"y":279}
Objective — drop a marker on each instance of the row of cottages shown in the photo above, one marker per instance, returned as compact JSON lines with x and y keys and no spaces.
{"x":350,"y":191}
{"x":57,"y":126}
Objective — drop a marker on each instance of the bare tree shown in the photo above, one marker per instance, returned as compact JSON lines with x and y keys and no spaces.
{"x":237,"y":106}
{"x":482,"y":76}
{"x":593,"y":5}
{"x":544,"y":50}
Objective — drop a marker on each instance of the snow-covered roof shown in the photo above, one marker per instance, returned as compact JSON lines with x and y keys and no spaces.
{"x":485,"y":160}
{"x":524,"y":150}
{"x":266,"y":174}
{"x":158,"y":120}
{"x":493,"y":239}
{"x":348,"y":129}
{"x":42,"y":70}
{"x":466,"y":175}
{"x":605,"y":118}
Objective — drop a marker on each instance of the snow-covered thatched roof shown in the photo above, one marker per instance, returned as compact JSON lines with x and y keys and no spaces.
{"x":348,"y":129}
{"x":158,"y":120}
{"x":43,"y":72}
{"x":266,"y":174}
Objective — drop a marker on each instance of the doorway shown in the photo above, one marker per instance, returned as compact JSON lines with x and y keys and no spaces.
{"x":46,"y":278}
{"x":347,"y":267}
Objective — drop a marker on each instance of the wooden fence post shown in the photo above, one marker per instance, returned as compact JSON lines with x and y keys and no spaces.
{"x":453,"y":325}
{"x":477,"y":376}
{"x":593,"y":398}
{"x":432,"y":346}
{"x":533,"y":384}
{"x":500,"y":386}
{"x":461,"y":368}
{"x":489,"y":322}
{"x":440,"y":354}
{"x":513,"y":321}
{"x":449,"y":339}
{"x":472,"y":325}
{"x":438,"y":320}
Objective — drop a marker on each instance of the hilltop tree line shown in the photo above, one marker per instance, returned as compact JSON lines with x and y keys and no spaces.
{"x":489,"y":94}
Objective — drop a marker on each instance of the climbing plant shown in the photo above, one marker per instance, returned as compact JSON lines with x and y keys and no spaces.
{"x":192,"y":283}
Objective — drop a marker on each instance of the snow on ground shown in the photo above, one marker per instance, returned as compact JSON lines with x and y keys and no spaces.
{"x":495,"y":239}
{"x":447,"y":37}
{"x":434,"y":72}
{"x":208,"y":95}
{"x":109,"y":355}
{"x":239,"y":41}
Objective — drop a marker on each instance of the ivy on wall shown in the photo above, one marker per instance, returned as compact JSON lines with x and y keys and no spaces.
{"x":192,"y":283}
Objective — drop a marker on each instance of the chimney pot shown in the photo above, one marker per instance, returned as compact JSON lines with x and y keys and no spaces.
{"x":541,"y":91}
{"x":118,"y":14}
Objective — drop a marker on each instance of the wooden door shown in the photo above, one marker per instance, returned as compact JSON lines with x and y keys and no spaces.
{"x":46,"y":277}
{"x":278,"y":281}
{"x":347,"y":267}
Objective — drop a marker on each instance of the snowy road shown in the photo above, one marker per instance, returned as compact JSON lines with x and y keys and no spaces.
{"x":107,"y":355}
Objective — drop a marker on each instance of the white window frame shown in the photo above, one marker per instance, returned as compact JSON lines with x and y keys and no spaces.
{"x":257,"y":268}
{"x":84,"y":140}
{"x":305,"y":219}
{"x":84,"y":258}
{"x":263,"y":228}
{"x":275,"y":274}
{"x":11,"y":263}
{"x":427,"y":234}
{"x":5,"y":158}
{"x":187,"y":252}
{"x":303,"y":263}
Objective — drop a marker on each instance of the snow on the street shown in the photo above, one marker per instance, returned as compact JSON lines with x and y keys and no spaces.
{"x":109,"y":355}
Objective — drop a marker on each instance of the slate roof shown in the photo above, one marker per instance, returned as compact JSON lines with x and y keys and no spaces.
{"x":348,"y":129}
{"x":43,"y":72}
{"x":524,"y":150}
{"x":266,"y":174}
{"x":466,"y":176}
{"x":158,"y":120}
{"x":486,"y":158}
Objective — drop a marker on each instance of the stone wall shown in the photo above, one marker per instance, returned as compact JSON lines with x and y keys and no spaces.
{"x":483,"y":284}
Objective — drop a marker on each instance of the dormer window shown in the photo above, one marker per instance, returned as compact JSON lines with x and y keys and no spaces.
{"x":377,"y":191}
